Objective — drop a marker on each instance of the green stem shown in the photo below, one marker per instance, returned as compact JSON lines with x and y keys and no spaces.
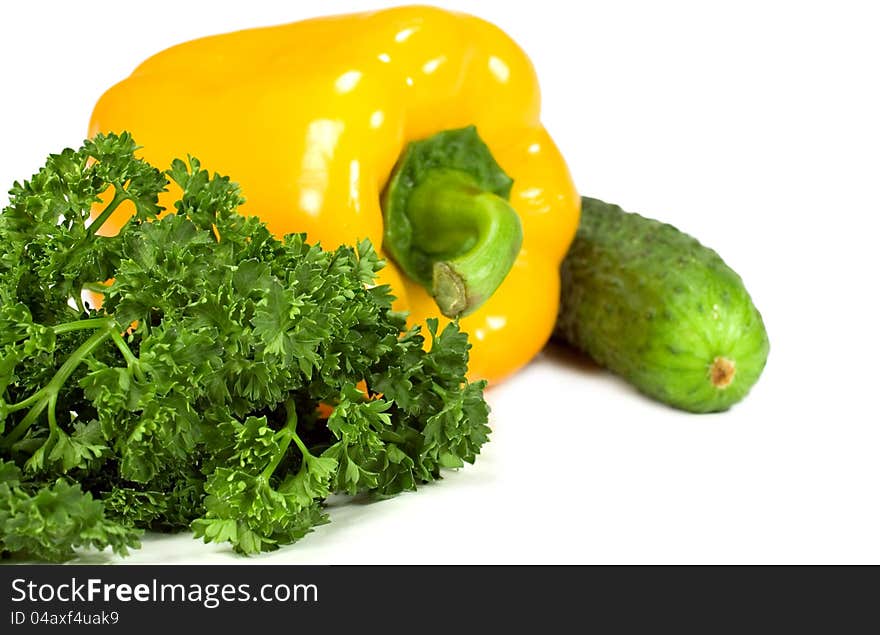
{"x":96,"y":224}
{"x":82,"y":325}
{"x":448,"y":223}
{"x":302,"y":447}
{"x":52,"y":415}
{"x":130,"y":358}
{"x":77,"y":325}
{"x":470,"y":237}
{"x":288,"y":434}
{"x":49,"y":393}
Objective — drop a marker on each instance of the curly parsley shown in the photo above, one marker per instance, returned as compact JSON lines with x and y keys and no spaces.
{"x":230,"y":381}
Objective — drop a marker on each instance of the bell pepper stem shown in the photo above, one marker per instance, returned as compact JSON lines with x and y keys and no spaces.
{"x":448,"y":224}
{"x":470,"y":237}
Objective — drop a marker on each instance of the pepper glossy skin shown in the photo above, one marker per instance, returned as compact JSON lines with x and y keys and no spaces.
{"x":310,"y":118}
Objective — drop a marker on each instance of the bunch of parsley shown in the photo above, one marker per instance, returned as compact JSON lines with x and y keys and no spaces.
{"x":230,"y":381}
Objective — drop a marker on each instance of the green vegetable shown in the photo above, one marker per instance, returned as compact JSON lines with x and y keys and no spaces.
{"x":230,"y":382}
{"x":655,"y":306}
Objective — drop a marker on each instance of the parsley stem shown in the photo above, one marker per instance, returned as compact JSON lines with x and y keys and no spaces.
{"x":76,"y":325}
{"x":51,"y":414}
{"x":302,"y":447}
{"x":288,"y":433}
{"x":81,"y":325}
{"x":95,"y":225}
{"x":291,"y":408}
{"x":130,"y":359}
{"x":47,"y":395}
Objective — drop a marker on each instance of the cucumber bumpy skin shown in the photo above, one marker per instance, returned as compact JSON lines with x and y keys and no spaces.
{"x":655,"y":306}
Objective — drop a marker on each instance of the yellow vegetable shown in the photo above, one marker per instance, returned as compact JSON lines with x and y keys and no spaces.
{"x":311,"y":119}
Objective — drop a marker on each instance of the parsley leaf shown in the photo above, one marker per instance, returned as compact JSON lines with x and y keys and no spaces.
{"x":230,"y":381}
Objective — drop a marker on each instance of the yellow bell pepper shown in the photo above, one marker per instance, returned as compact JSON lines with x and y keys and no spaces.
{"x":316,"y":119}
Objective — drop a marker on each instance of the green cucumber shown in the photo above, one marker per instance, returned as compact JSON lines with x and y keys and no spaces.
{"x":655,"y":306}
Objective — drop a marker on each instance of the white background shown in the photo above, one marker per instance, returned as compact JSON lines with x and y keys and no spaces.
{"x":751,"y":125}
